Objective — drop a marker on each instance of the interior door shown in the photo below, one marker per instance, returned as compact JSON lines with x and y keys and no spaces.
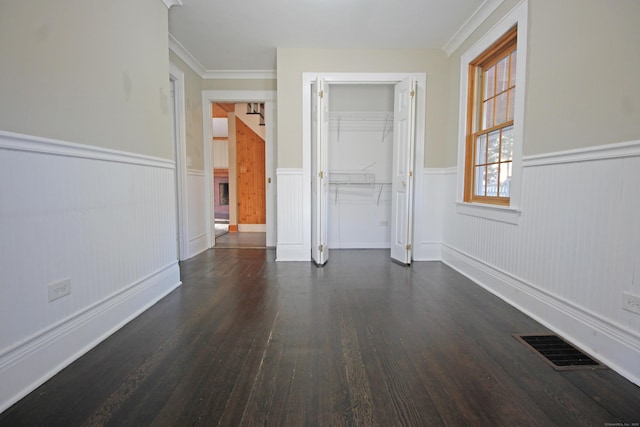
{"x":319,"y":172}
{"x":402,"y":172}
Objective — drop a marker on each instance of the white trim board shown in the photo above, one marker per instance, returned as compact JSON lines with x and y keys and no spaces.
{"x":240,"y":75}
{"x":185,"y":55}
{"x":474,"y":21}
{"x":195,"y":172}
{"x":197,"y":245}
{"x":35,"y":144}
{"x":180,"y":152}
{"x":595,"y":153}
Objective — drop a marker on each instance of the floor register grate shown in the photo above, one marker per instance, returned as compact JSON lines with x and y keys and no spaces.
{"x":558,"y":353}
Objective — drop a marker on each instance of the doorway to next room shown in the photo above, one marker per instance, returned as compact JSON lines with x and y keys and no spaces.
{"x":238,"y":159}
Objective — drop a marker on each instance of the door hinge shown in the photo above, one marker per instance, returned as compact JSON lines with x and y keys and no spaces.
{"x":413,"y":93}
{"x":321,"y":174}
{"x":410,"y":174}
{"x":321,"y":248}
{"x":408,"y":247}
{"x":321,"y":94}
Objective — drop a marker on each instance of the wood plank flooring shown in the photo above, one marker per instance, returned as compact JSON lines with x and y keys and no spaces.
{"x":244,"y":240}
{"x":361,"y":342}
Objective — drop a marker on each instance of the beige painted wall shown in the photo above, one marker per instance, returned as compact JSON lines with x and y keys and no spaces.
{"x":193,"y":112}
{"x":293,"y":62}
{"x":238,"y":84}
{"x":361,"y":98}
{"x":90,"y":72}
{"x":582,"y":80}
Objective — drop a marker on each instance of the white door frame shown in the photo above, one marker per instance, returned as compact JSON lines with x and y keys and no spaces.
{"x":364,"y":78}
{"x":237,"y":96}
{"x":176,"y":75}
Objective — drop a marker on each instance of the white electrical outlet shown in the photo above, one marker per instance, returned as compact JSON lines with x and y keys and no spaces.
{"x":59,"y":289}
{"x":631,"y":302}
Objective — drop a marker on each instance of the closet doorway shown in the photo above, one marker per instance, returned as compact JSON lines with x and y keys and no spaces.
{"x":366,"y":139}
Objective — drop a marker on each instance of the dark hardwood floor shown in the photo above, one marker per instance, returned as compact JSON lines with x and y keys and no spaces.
{"x":362,"y":341}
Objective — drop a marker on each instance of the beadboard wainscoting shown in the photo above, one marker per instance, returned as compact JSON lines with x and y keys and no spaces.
{"x":95,"y":227}
{"x":293,"y":229}
{"x":197,"y":227}
{"x":428,"y":216}
{"x":574,"y":253}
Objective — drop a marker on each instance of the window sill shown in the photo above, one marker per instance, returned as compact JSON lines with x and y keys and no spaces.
{"x":506,"y":214}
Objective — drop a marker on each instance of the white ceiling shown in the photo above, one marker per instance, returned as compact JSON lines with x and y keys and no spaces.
{"x":244,"y":34}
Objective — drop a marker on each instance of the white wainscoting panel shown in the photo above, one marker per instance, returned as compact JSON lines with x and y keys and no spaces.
{"x":292,"y":225}
{"x":101,"y":219}
{"x":574,"y":253}
{"x":197,"y":227}
{"x":428,"y":216}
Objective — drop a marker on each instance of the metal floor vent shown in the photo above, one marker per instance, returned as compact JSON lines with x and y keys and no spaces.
{"x":558,"y":353}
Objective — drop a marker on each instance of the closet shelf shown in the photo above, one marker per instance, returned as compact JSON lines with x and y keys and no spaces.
{"x":367,"y":184}
{"x":356,"y":177}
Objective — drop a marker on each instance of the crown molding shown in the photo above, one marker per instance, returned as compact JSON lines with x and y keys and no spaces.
{"x":474,"y":21}
{"x":170,"y":3}
{"x":182,"y":53}
{"x":240,"y":74}
{"x":191,"y":61}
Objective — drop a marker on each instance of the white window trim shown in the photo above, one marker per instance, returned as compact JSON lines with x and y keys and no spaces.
{"x":510,"y":214}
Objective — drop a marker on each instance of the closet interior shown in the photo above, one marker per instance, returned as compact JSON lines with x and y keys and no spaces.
{"x":360,"y":143}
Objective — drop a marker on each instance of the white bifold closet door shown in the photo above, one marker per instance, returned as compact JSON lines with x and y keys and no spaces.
{"x":402,"y":172}
{"x":319,"y":171}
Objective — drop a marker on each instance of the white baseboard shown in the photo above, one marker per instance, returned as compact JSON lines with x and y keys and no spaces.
{"x":607,"y":342}
{"x":27,"y":366}
{"x":427,"y":251}
{"x":292,"y":252}
{"x":197,"y":245}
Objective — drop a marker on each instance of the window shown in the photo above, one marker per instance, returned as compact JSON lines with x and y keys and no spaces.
{"x":489,"y":188}
{"x":490,"y":123}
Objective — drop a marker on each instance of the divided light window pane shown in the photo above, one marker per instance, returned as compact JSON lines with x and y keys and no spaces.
{"x":492,"y":140}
